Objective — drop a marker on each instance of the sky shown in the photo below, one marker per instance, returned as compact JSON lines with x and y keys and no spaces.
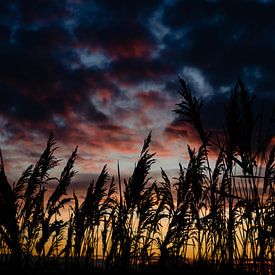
{"x":102,"y":74}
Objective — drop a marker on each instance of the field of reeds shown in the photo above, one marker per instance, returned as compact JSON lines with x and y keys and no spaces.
{"x":210,"y":218}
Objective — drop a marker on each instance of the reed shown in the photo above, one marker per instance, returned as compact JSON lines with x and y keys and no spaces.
{"x":219,"y":217}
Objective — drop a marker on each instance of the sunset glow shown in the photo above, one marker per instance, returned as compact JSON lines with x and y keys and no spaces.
{"x":137,"y":134}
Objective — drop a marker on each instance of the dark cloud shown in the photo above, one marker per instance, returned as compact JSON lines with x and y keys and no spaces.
{"x":86,"y":69}
{"x":42,"y":11}
{"x":121,"y":40}
{"x":119,"y":28}
{"x":128,"y":8}
{"x":38,"y":82}
{"x":225,"y":39}
{"x":4,"y":32}
{"x":17,"y":106}
{"x":137,"y":70}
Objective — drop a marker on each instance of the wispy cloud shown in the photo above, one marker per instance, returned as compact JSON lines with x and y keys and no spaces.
{"x":198,"y":81}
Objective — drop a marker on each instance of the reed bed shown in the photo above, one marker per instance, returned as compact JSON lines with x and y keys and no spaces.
{"x":218,"y":218}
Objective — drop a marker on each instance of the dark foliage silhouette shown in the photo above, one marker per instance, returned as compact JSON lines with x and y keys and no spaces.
{"x":218,"y":217}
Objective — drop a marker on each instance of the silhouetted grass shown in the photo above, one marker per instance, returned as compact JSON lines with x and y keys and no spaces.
{"x":219,"y":220}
